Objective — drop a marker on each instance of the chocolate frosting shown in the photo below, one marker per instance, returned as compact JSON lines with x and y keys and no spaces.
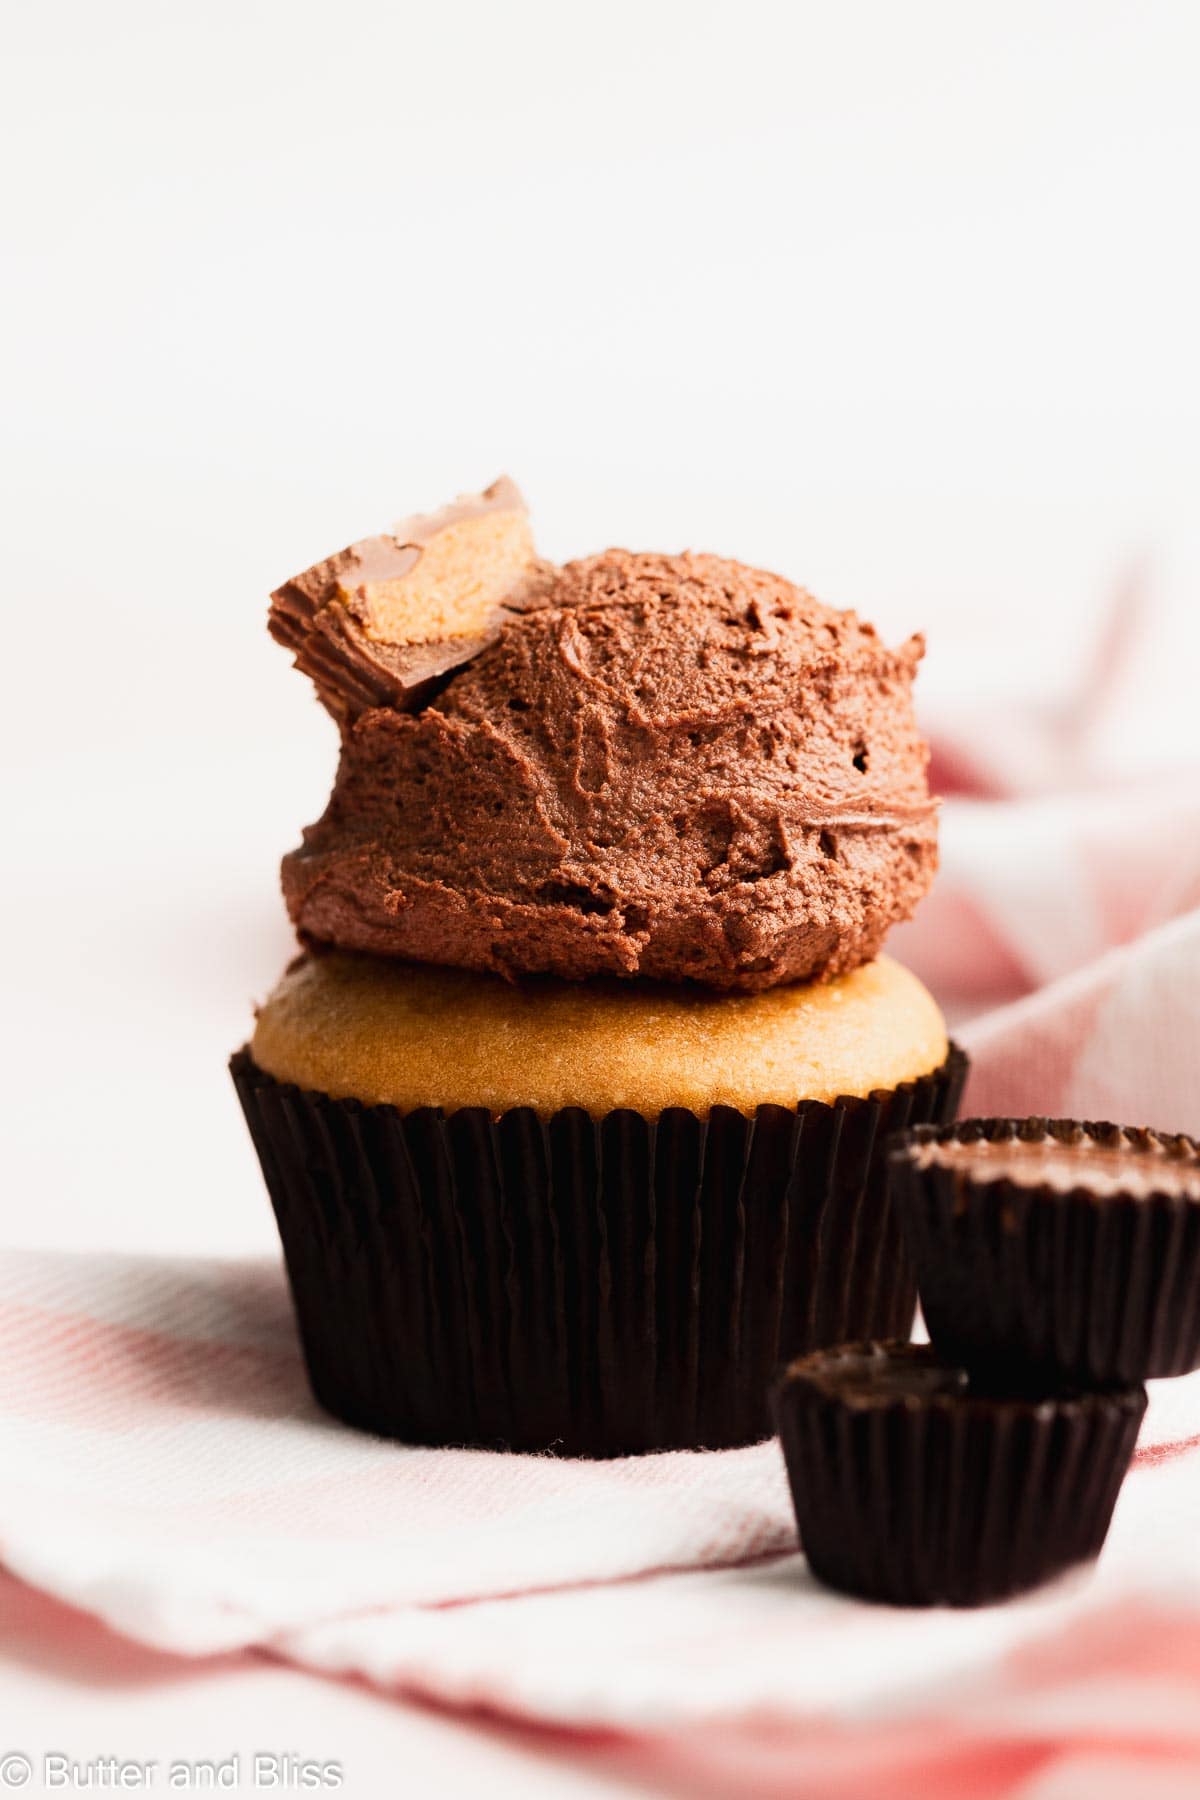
{"x":675,"y":766}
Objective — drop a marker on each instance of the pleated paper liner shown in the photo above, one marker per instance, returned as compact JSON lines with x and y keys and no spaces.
{"x":597,"y":1286}
{"x":948,"y":1498}
{"x":1072,"y":1285}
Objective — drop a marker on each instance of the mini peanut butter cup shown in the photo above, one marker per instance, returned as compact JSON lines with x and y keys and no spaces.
{"x":914,"y":1486}
{"x":1051,"y":1250}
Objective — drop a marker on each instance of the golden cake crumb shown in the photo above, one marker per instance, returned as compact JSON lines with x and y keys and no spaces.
{"x":411,"y":1035}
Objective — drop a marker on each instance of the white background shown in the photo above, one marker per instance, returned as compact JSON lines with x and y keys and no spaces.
{"x":899,"y":299}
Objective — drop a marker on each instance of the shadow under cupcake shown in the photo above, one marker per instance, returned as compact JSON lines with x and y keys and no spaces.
{"x":572,"y":1112}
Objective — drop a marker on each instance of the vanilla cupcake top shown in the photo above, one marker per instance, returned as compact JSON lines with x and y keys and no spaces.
{"x":635,"y":764}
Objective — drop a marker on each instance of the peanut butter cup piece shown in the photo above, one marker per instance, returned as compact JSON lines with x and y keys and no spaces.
{"x":914,"y":1485}
{"x":382,"y":621}
{"x":1055,"y":1250}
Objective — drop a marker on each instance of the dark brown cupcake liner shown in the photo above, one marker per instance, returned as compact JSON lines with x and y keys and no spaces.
{"x":950,"y":1499}
{"x":598,"y":1286}
{"x":1052,"y":1284}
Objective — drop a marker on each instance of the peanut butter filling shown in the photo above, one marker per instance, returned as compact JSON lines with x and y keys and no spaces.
{"x":462,"y":566}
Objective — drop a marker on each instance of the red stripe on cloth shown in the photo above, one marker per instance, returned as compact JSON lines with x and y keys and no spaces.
{"x":70,"y":1369}
{"x":1164,"y":1453}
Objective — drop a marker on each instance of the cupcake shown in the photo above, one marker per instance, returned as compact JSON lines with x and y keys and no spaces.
{"x":571,"y":1109}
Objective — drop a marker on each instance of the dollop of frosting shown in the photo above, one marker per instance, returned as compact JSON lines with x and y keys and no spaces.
{"x":674,"y":766}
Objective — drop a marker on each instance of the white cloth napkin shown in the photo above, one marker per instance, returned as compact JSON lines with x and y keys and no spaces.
{"x":166,"y":1470}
